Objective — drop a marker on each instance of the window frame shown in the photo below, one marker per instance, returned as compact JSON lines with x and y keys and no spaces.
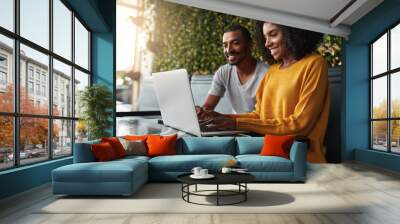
{"x":388,"y":74}
{"x":16,"y":114}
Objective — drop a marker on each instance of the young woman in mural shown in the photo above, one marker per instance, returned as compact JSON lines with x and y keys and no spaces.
{"x":293,"y":97}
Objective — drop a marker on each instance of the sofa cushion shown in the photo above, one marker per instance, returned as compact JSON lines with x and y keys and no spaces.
{"x":206,"y":145}
{"x":116,"y":145}
{"x":277,"y":145}
{"x":257,"y":163}
{"x":134,"y":147}
{"x":159,"y":145}
{"x":185,"y":163}
{"x":136,"y":137}
{"x":103,"y":151}
{"x":249,"y":145}
{"x":112,"y":171}
{"x":132,"y":158}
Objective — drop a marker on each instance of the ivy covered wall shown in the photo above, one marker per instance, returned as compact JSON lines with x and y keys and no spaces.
{"x":191,"y":38}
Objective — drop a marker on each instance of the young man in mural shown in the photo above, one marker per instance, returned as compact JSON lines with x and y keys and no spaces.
{"x":293,"y":98}
{"x":239,"y":78}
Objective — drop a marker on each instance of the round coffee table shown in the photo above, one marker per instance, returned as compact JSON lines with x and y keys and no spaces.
{"x":238,"y":179}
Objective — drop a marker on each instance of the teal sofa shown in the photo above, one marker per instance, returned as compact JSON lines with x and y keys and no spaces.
{"x":125,"y":176}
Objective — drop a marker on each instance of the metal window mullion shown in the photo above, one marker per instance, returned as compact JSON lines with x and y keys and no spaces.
{"x":82,"y":69}
{"x":371,"y":89}
{"x":50,"y":81}
{"x":382,"y":119}
{"x":89,"y":52}
{"x":16,"y":84}
{"x":389,"y":102}
{"x":73,"y":82}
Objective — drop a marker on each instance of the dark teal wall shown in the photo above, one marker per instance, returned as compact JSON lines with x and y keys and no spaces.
{"x":99,"y":16}
{"x":90,"y":11}
{"x":104,"y":51}
{"x":356,"y":101}
{"x":103,"y":67}
{"x":24,"y":178}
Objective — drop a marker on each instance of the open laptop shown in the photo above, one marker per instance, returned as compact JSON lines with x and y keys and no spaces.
{"x":177,"y":105}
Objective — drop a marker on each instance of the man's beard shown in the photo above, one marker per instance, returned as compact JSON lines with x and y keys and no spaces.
{"x":237,"y":61}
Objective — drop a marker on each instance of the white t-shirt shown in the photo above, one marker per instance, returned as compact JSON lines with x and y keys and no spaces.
{"x":242,"y":97}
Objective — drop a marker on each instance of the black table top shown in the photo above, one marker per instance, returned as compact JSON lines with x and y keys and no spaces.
{"x":220,"y":178}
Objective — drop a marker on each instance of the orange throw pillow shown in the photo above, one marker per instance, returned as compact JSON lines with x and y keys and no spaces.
{"x":136,"y":137}
{"x":103,"y":151}
{"x":116,"y":145}
{"x":161,"y":145}
{"x":277,"y":145}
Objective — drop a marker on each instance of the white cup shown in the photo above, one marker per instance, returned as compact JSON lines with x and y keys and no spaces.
{"x":196,"y":170}
{"x":203,"y":172}
{"x":226,"y":170}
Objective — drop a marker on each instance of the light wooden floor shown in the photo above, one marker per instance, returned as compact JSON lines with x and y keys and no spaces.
{"x":377,"y":188}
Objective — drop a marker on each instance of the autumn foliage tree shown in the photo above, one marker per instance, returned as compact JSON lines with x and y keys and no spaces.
{"x":380,"y":127}
{"x":32,"y":130}
{"x":6,"y":122}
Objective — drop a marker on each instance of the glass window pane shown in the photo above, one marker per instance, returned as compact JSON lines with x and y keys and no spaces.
{"x":81,"y":81}
{"x":81,"y":45}
{"x":379,"y":55}
{"x":35,"y":21}
{"x":395,"y":138}
{"x":139,"y":125}
{"x":6,"y":142}
{"x":62,"y":89}
{"x":62,"y":141}
{"x":33,"y":139}
{"x":379,"y":135}
{"x":395,"y":95}
{"x":6,"y":74}
{"x":7,"y":14}
{"x":62,"y":29}
{"x":34,"y":96}
{"x":127,"y":47}
{"x":395,"y":47}
{"x":81,"y":131}
{"x":379,"y":97}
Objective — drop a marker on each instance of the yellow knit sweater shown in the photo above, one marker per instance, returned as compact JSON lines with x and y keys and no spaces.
{"x":292,"y":101}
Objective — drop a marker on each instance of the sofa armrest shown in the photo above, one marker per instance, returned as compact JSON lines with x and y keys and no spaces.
{"x":298,"y":155}
{"x":83,"y":152}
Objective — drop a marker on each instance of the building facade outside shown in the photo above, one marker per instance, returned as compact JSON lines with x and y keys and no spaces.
{"x":34,"y":82}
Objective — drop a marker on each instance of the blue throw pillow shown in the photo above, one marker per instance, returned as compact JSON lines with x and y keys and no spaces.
{"x":249,"y":145}
{"x":207,"y":145}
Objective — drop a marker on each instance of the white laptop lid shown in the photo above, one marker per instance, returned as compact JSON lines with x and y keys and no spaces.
{"x":176,"y":100}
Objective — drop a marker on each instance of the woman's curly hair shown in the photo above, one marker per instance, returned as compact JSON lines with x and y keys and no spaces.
{"x":298,"y":41}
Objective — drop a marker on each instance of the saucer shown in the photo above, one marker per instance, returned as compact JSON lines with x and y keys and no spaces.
{"x":208,"y":176}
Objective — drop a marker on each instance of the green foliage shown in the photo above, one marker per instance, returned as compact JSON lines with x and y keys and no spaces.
{"x":191,"y":38}
{"x":331,"y":50}
{"x":96,"y":102}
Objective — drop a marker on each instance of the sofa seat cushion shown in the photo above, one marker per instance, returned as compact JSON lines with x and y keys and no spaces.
{"x":185,"y":163}
{"x":133,"y":158}
{"x":112,"y":171}
{"x":257,"y":163}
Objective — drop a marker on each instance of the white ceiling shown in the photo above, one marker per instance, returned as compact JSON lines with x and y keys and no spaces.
{"x":324,"y":16}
